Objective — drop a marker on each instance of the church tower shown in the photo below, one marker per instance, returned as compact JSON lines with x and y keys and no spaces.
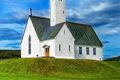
{"x":57,"y":12}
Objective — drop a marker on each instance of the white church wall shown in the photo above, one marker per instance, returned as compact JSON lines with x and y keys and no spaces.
{"x":98,"y":56}
{"x":51,"y":43}
{"x":34,"y":42}
{"x":65,"y":39}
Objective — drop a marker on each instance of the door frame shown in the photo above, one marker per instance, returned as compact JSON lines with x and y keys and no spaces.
{"x":46,"y":50}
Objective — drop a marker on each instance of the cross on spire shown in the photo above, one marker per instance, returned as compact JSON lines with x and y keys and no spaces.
{"x":30,"y":11}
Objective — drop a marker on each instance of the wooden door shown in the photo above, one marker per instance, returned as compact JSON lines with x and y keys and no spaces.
{"x":46,"y":52}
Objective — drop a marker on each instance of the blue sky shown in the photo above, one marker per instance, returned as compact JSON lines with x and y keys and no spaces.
{"x":103,"y":15}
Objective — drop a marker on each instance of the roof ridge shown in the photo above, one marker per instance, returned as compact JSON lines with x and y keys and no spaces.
{"x":39,"y":17}
{"x":78,"y":23}
{"x":62,"y":22}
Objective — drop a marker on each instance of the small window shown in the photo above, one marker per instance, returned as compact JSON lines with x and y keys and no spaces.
{"x":59,"y":47}
{"x":80,"y":50}
{"x":94,"y":51}
{"x":64,"y":31}
{"x":29,"y":45}
{"x":69,"y":48}
{"x":63,"y":12}
{"x":87,"y":51}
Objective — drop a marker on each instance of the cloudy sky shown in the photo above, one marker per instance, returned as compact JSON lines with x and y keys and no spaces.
{"x":103,"y":15}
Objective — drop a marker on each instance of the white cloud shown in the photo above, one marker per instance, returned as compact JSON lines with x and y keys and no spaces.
{"x":99,"y":7}
{"x":4,"y":44}
{"x":107,"y":30}
{"x":82,"y":8}
{"x":17,"y":27}
{"x":43,"y":13}
{"x":111,"y":31}
{"x":71,"y":13}
{"x":20,"y":16}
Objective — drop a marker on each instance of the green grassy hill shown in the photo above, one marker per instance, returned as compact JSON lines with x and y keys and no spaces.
{"x":58,"y":69}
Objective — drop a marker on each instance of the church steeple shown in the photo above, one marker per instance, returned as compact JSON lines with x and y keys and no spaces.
{"x":58,"y":12}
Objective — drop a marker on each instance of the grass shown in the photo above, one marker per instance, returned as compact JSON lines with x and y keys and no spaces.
{"x":58,"y":69}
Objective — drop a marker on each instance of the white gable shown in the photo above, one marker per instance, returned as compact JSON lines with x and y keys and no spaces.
{"x":65,"y":33}
{"x":29,"y":31}
{"x":65,"y":40}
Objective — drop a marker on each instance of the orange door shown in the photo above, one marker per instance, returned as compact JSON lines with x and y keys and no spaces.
{"x":46,"y":52}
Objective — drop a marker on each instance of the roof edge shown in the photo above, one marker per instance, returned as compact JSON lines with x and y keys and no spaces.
{"x":24,"y":30}
{"x":61,"y":22}
{"x":38,"y":17}
{"x":97,"y":36}
{"x":78,"y":23}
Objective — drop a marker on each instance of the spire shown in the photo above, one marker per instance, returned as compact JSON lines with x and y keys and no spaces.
{"x":30,"y":11}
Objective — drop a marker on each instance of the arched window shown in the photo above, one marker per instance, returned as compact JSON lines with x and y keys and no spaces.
{"x":29,"y":45}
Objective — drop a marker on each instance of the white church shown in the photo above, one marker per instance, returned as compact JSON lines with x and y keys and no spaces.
{"x":58,"y":38}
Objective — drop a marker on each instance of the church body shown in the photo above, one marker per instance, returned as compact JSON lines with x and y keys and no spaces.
{"x":57,"y":38}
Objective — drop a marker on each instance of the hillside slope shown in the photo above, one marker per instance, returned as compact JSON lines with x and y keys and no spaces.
{"x":114,"y":59}
{"x":61,"y":69}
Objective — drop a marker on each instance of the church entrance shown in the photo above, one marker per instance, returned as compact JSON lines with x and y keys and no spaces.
{"x":46,"y":51}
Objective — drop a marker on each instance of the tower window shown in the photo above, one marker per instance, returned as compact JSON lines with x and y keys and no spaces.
{"x":29,"y":45}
